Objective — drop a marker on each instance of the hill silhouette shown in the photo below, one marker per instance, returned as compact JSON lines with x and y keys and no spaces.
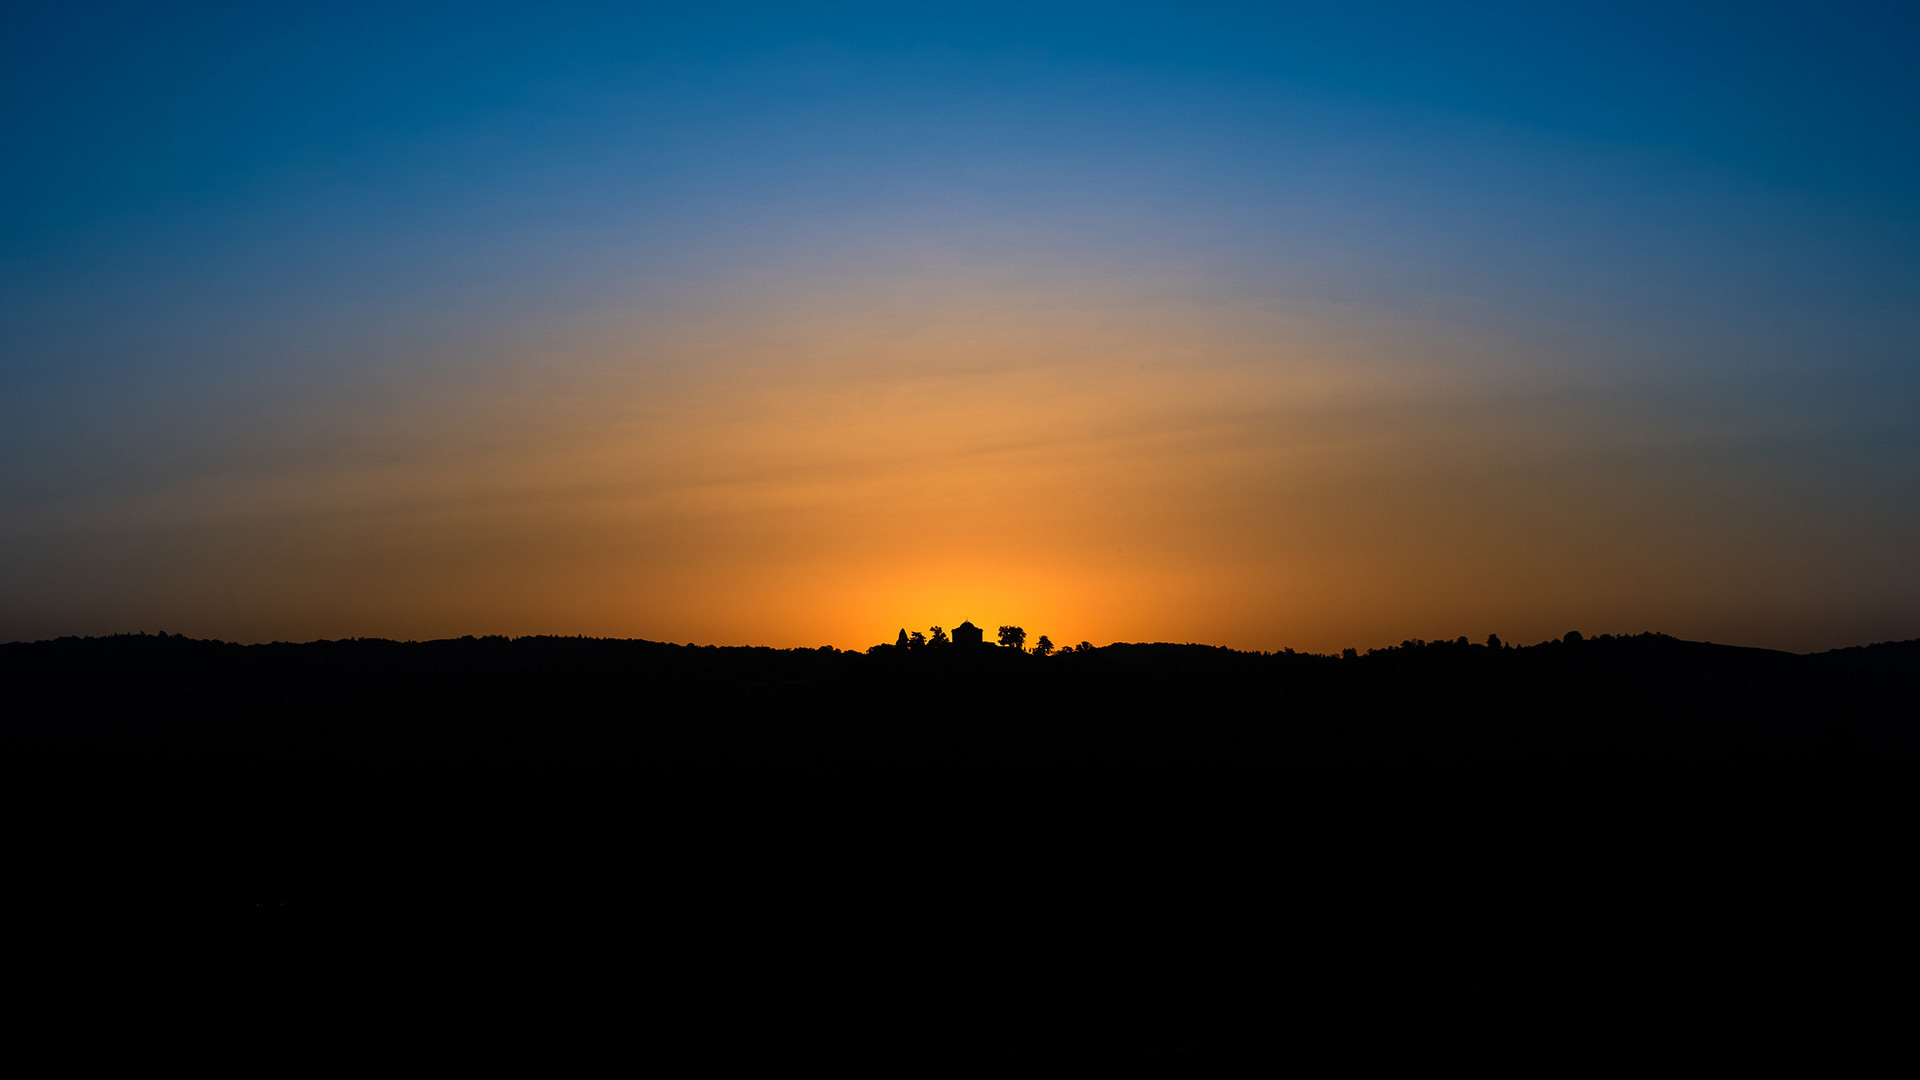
{"x":1138,"y":849}
{"x":544,"y":703}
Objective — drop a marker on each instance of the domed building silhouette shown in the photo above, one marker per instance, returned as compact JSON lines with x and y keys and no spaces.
{"x":968,"y":634}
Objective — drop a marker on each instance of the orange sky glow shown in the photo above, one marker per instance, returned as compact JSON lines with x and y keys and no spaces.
{"x":829,"y":462}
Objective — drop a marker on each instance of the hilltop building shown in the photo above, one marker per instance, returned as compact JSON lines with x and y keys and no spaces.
{"x":968,"y":634}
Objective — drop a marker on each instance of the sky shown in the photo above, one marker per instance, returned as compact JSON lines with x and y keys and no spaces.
{"x":1272,"y":326}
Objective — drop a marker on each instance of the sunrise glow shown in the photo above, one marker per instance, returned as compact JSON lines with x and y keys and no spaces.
{"x":1261,"y":331}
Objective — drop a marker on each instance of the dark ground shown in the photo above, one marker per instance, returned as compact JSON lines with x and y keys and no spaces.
{"x":1151,"y":849}
{"x":544,"y":705}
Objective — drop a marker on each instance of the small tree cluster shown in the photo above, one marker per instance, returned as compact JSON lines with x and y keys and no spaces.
{"x":917,"y":640}
{"x":1012,"y":637}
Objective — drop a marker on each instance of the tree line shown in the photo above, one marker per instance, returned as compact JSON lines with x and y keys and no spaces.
{"x":1011,"y":637}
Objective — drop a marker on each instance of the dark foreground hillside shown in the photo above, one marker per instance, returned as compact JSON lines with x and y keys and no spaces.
{"x":536,"y":705}
{"x":1141,"y":849}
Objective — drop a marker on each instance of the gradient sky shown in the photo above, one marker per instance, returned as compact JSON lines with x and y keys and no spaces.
{"x":1272,"y":326}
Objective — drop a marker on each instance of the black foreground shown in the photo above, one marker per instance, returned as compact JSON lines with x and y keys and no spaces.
{"x":1143,"y":849}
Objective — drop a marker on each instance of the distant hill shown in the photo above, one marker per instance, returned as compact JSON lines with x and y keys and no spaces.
{"x":545,"y":703}
{"x":1899,"y":658}
{"x":1170,"y":822}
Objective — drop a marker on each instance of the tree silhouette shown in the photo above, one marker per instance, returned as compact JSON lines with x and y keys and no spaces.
{"x":1085,"y":646}
{"x":939,"y":636}
{"x":901,"y":642}
{"x":918,"y":639}
{"x":1043,"y":647}
{"x":1013,"y":637}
